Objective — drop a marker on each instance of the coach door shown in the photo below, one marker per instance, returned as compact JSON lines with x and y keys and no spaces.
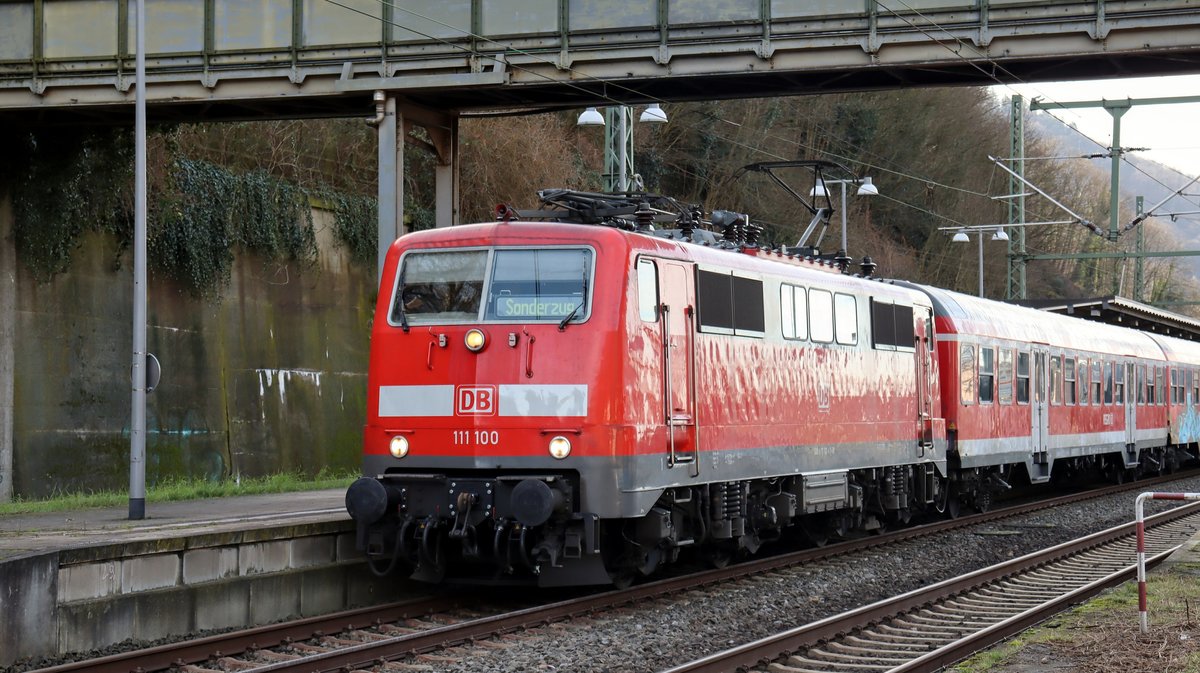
{"x":678,"y":329}
{"x":1132,"y":390}
{"x":923,"y":343}
{"x":1040,"y":406}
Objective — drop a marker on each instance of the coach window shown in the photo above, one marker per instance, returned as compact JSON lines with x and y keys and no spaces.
{"x":1194,"y":384}
{"x":1108,"y":382}
{"x":647,"y":280}
{"x":1118,"y":378}
{"x":1160,"y":388}
{"x":1005,"y":380}
{"x":845,"y":319}
{"x":1083,"y":383}
{"x":966,"y":370}
{"x":1022,"y":378}
{"x":1140,"y":384}
{"x":1056,"y":380}
{"x":1176,"y":386}
{"x":987,"y":375}
{"x":820,"y":315}
{"x":1068,"y":379}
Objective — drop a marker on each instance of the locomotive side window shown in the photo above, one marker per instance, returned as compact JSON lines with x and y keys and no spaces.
{"x":748,"y":314}
{"x":1097,"y":376}
{"x":845,"y":319}
{"x":1056,"y":380}
{"x":1022,"y":378}
{"x":892,"y":326}
{"x":793,"y":311}
{"x":820,"y":315}
{"x":440,"y":287}
{"x":1108,"y":382}
{"x":730,"y":304}
{"x":966,"y":373}
{"x":647,"y":289}
{"x":1005,"y":391}
{"x":987,"y":375}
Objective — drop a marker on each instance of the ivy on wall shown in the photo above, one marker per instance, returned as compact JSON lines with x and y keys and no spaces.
{"x":66,"y":183}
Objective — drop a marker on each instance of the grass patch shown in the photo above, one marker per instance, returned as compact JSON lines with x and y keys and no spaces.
{"x":1102,"y":635}
{"x":185,"y":489}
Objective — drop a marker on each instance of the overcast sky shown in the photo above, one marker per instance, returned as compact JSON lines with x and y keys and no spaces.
{"x":1172,"y":132}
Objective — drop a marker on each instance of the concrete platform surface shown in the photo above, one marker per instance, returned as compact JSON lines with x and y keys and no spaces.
{"x":22,"y":534}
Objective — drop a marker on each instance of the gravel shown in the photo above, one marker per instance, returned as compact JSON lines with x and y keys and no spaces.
{"x":663,"y":633}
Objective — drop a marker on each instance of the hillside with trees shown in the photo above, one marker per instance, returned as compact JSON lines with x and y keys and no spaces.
{"x":926,"y":149}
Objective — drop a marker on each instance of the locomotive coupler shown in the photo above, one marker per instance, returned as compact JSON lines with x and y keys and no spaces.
{"x":460,"y":529}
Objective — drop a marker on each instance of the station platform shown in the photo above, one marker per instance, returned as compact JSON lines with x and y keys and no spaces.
{"x":22,"y":534}
{"x":188,"y":567}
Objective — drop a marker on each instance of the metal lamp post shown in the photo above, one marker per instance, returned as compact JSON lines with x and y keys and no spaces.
{"x":618,"y":140}
{"x":865,"y":188}
{"x":961,"y":236}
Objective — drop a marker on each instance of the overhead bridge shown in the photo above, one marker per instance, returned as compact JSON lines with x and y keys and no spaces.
{"x":296,"y":58}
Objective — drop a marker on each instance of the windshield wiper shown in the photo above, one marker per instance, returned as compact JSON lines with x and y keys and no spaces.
{"x":401,"y":314}
{"x":562,"y":326}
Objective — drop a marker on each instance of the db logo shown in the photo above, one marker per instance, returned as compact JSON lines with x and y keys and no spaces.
{"x":475,"y":400}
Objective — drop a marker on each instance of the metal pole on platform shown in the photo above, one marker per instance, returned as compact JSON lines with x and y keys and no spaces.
{"x":137,"y":424}
{"x":1140,"y":519}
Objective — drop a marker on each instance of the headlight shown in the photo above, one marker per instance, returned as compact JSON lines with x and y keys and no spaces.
{"x":475,"y":340}
{"x":399,"y":446}
{"x":560,"y":447}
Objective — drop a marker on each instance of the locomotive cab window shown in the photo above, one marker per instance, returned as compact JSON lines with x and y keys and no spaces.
{"x":496,"y":285}
{"x":440,"y":287}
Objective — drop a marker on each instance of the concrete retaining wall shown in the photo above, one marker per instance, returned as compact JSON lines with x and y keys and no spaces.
{"x":83,"y":599}
{"x":268,"y":377}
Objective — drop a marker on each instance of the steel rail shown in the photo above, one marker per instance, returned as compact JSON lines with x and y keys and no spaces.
{"x":765,"y":650}
{"x":194,"y":651}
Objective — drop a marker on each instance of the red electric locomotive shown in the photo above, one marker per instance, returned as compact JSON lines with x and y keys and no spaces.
{"x":575,"y":404}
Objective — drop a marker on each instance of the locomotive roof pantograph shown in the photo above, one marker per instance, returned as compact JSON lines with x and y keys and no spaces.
{"x":666,"y":217}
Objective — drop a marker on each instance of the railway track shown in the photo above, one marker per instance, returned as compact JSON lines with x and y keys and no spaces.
{"x":925,"y":630}
{"x":369,"y":637}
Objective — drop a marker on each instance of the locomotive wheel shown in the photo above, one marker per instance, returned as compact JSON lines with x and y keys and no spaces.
{"x":718,"y":556}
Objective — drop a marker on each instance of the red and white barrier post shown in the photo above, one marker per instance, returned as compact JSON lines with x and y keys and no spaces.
{"x":1141,"y":546}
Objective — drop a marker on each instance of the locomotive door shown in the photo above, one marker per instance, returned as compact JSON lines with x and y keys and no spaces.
{"x":1039,"y":409}
{"x":923,"y":342}
{"x":678,"y":329}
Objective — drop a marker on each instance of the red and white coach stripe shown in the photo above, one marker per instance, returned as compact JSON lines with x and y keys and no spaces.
{"x":1141,"y":546}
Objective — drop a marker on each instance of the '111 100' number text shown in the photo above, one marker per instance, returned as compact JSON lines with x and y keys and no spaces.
{"x":479,"y":437}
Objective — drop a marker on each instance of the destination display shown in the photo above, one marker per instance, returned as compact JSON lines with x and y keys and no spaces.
{"x":536,"y":307}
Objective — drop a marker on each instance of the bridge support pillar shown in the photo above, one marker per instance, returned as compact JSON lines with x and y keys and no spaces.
{"x":446,"y":174}
{"x":8,"y":320}
{"x":391,"y":177}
